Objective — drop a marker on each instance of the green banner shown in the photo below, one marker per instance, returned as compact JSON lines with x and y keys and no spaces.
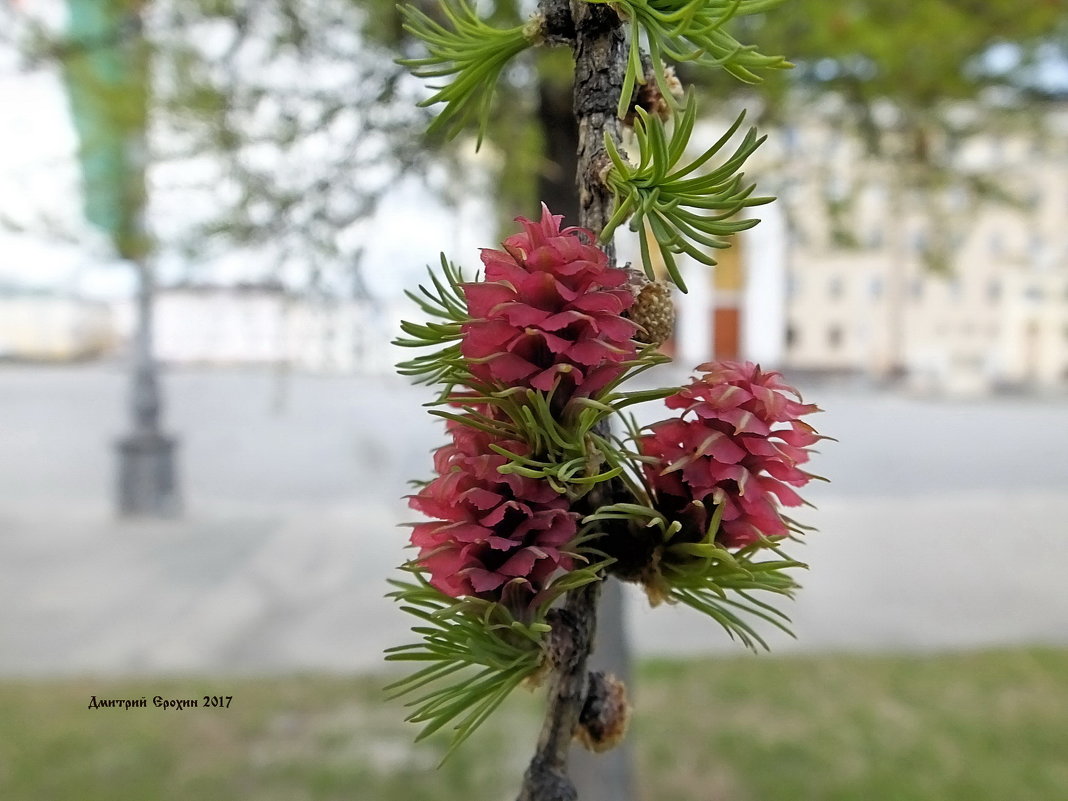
{"x":106,"y":72}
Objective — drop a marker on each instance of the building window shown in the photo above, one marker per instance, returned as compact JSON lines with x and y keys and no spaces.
{"x":834,"y":337}
{"x":1034,"y":293}
{"x":792,"y":336}
{"x":876,"y":288}
{"x":916,"y":288}
{"x":996,"y":245}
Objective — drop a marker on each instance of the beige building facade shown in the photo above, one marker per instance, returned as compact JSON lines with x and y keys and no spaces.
{"x":884,"y":272}
{"x":47,"y":327}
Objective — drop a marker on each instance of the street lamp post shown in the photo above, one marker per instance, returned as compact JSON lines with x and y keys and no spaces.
{"x":147,"y":479}
{"x":106,"y":67}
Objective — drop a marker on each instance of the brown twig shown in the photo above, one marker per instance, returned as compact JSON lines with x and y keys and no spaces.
{"x":600,"y":47}
{"x":574,"y":626}
{"x":600,"y":63}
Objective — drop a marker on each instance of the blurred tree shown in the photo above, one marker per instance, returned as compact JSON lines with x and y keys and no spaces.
{"x":105,"y":67}
{"x":289,"y":169}
{"x":274,"y":126}
{"x":937,"y":51}
{"x":913,"y":86}
{"x":270,"y":128}
{"x":295,"y":126}
{"x":904,"y":78}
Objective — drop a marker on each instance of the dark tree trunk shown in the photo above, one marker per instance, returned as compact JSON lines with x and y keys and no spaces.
{"x":556,"y":178}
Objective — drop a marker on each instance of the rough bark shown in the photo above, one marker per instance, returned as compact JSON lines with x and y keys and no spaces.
{"x":574,"y":626}
{"x":600,"y":49}
{"x":600,"y":63}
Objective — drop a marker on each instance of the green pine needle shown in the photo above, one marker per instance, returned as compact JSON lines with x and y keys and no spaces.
{"x":683,"y":210}
{"x":474,"y":652}
{"x":720,"y":584}
{"x":468,"y":51}
{"x":690,"y":30}
{"x":461,"y":636}
{"x":447,"y":303}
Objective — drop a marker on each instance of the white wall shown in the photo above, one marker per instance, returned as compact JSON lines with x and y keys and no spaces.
{"x":221,"y":326}
{"x":764,"y":295}
{"x":53,"y":328}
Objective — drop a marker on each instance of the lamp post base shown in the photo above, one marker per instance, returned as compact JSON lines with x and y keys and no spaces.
{"x":147,"y":478}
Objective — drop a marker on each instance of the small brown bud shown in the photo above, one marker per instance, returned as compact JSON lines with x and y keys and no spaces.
{"x":649,"y":97}
{"x":605,"y":714}
{"x":654,"y":311}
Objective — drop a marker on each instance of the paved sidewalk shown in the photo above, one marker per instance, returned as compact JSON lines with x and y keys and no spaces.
{"x":945,"y":527}
{"x":302,"y":588}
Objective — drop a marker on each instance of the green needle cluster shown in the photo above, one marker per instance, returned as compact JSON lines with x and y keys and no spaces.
{"x":460,"y":635}
{"x":473,"y":652}
{"x":707,"y":577}
{"x":690,"y":30}
{"x":469,"y":51}
{"x":680,"y":208}
{"x":445,"y":302}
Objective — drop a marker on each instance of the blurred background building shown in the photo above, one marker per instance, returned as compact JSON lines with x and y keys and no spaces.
{"x":242,"y":325}
{"x":44,"y":325}
{"x":853,"y":272}
{"x":264,"y":324}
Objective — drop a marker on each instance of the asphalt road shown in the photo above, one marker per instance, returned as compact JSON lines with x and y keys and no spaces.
{"x":944,"y":525}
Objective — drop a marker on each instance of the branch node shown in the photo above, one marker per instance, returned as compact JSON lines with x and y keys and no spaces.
{"x":649,"y":96}
{"x":534,"y":29}
{"x":557,"y":24}
{"x":605,"y":715}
